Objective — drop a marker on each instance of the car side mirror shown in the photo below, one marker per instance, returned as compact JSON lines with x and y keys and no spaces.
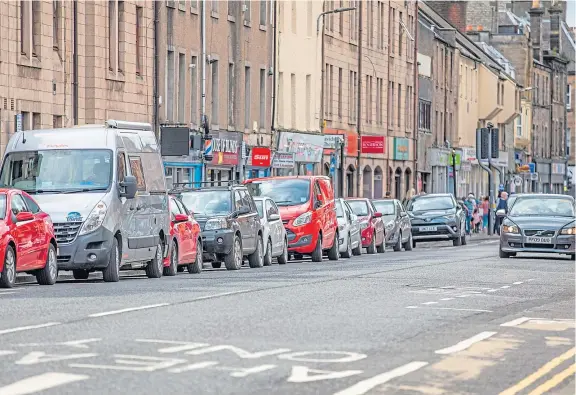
{"x":501,"y":213}
{"x":180,"y":218}
{"x":273,"y":217}
{"x":377,"y":215}
{"x":24,"y":216}
{"x":130,"y":187}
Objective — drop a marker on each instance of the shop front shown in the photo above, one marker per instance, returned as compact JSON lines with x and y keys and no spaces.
{"x":180,"y":149}
{"x":225,"y":163}
{"x":401,"y":182}
{"x":258,"y":162}
{"x":557,"y":177}
{"x":307,"y":150}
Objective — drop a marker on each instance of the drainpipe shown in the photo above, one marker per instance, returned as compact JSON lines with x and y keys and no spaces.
{"x":416,"y":104}
{"x":274,"y":70}
{"x":359,"y":93}
{"x":75,"y":63}
{"x":155,"y":81}
{"x":203,"y":76}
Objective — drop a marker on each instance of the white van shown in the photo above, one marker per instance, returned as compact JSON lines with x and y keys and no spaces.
{"x":104,"y":188}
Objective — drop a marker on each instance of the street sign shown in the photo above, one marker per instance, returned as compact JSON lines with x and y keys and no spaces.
{"x":18,"y":123}
{"x":332,"y":164}
{"x":283,"y":160}
{"x":534,"y":176}
{"x":518,"y":181}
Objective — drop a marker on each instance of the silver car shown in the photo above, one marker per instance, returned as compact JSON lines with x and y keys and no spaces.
{"x":538,"y":223}
{"x":274,"y":234}
{"x":397,"y":223}
{"x":348,"y":229}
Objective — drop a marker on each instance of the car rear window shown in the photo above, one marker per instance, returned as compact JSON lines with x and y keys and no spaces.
{"x":285,"y":192}
{"x":386,"y":207}
{"x":360,"y":207}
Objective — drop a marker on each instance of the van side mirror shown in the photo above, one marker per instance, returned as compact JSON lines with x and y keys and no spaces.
{"x":130,"y":187}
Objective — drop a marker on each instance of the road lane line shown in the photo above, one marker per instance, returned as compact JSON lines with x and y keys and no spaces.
{"x":364,"y":386}
{"x":220,"y":294}
{"x":518,"y":282}
{"x":451,"y":308}
{"x":554,"y":381}
{"x":430,"y":303}
{"x":40,"y":382}
{"x":492,"y":290}
{"x":517,"y":321}
{"x":411,"y":307}
{"x":464,"y":344}
{"x":505,"y":286}
{"x":544,"y":370}
{"x":105,"y":313}
{"x":447,"y":299}
{"x":27,"y":328}
{"x":7,"y":293}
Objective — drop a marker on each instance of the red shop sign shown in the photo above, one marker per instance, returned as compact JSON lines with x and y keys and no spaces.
{"x":261,"y":157}
{"x":372,"y":144}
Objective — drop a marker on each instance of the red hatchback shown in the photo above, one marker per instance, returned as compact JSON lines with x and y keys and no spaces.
{"x":371,"y":225}
{"x":27,"y":241}
{"x":186,"y":245}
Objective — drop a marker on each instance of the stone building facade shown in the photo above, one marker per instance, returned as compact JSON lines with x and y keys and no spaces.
{"x":50,"y":80}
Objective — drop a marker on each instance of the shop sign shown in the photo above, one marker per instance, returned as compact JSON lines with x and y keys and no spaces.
{"x":261,"y":157}
{"x":283,"y":160}
{"x":307,"y":148}
{"x":401,"y":148}
{"x":558,"y":168}
{"x":438,"y":157}
{"x":372,"y":145}
{"x":225,"y":149}
{"x":466,"y":166}
{"x":331,"y":139}
{"x":469,"y":155}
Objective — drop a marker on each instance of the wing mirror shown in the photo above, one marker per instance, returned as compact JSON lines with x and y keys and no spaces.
{"x":24,"y":216}
{"x":353,"y":217}
{"x":180,"y":218}
{"x":377,"y":215}
{"x":501,"y":213}
{"x":273,"y":217}
{"x":241,"y":211}
{"x":130,"y":187}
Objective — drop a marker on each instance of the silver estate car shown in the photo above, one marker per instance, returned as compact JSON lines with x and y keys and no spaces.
{"x":541,"y":223}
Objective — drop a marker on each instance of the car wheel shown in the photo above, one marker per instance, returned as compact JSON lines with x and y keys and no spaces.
{"x":572,"y":256}
{"x":268,"y":255}
{"x":457,"y":241}
{"x":111,"y":273}
{"x":348,"y":252}
{"x":156,"y":265}
{"x":317,"y":253}
{"x":382,"y":247}
{"x":173,"y":268}
{"x":464,"y":240}
{"x":334,"y":251}
{"x":283,"y":259}
{"x":256,"y":259}
{"x":233,"y":261}
{"x":197,"y":266}
{"x":398,"y":245}
{"x":8,"y":275}
{"x":216,"y":265}
{"x":409,"y":243}
{"x":80,"y":274}
{"x":49,"y":273}
{"x":371,"y":249}
{"x":503,"y":254}
{"x":358,"y":250}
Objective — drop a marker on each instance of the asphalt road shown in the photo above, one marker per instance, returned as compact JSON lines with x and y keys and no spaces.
{"x":437,"y":320}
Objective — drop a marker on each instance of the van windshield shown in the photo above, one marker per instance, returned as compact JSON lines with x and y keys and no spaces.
{"x":285,"y":192}
{"x":58,"y":171}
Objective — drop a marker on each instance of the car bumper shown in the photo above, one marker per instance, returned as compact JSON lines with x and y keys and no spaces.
{"x":442,"y":232}
{"x":217,"y":242}
{"x":367,"y":235}
{"x":301,"y":241}
{"x":89,"y":251}
{"x":343,"y":242}
{"x":517,"y":243}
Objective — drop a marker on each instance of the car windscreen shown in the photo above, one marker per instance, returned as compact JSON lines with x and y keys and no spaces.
{"x":339,"y":211}
{"x":543,"y":206}
{"x":260,"y":207}
{"x":2,"y":206}
{"x":386,"y":207}
{"x":58,"y":171}
{"x":208,"y":203}
{"x":359,"y":207}
{"x":285,"y":192}
{"x":431,"y":203}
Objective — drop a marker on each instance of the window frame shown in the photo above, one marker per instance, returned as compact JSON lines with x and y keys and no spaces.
{"x":140,"y":183}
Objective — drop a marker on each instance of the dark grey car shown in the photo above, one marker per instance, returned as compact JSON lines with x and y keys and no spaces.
{"x":437,"y":217}
{"x":396,"y":222}
{"x":538,"y":223}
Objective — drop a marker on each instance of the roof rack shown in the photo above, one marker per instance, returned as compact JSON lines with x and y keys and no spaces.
{"x":197,"y":185}
{"x":111,"y":123}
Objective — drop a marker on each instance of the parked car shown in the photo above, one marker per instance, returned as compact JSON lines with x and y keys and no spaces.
{"x":185,"y":240}
{"x":307,"y":208}
{"x":396,"y":222}
{"x":437,"y":217}
{"x":27,"y":241}
{"x":538,"y":223}
{"x":229,"y":223}
{"x":371,"y":225}
{"x":104,"y":188}
{"x":348,"y":230}
{"x":274,"y":234}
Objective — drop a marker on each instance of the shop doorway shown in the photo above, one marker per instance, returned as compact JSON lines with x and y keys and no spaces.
{"x":350,"y":181}
{"x":367,"y":182}
{"x":408,"y":179}
{"x":378,"y":183}
{"x":398,"y":184}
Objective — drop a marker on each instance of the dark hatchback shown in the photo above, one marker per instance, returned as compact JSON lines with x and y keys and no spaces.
{"x":437,"y":217}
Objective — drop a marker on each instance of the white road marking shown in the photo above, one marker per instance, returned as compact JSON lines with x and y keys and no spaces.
{"x":531,"y":279}
{"x":27,"y":328}
{"x":135,"y":363}
{"x":364,"y":386}
{"x":113,"y":312}
{"x":430,"y":303}
{"x":505,"y":286}
{"x":245,"y":372}
{"x":220,"y":294}
{"x":241,"y":353}
{"x":411,"y":307}
{"x":40,"y":382}
{"x":447,"y":299}
{"x":6,"y":352}
{"x":303,"y":356}
{"x":464,"y":344}
{"x":36,"y":357}
{"x":300,"y":374}
{"x":518,"y":282}
{"x":180,"y":346}
{"x":72,"y":343}
{"x":7,"y":293}
{"x":463,"y":296}
{"x":516,"y":322}
{"x":194,"y":366}
{"x":492,"y":290}
{"x":449,"y":308}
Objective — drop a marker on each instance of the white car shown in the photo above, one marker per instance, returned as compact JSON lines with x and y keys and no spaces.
{"x":274,"y":234}
{"x":348,"y":229}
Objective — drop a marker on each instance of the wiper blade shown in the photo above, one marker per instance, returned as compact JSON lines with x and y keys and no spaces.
{"x":83,"y":190}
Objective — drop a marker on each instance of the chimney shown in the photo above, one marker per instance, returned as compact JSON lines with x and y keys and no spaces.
{"x":536,"y":13}
{"x":555,"y":15}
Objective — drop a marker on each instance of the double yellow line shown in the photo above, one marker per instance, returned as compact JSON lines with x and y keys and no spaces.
{"x":544,"y":370}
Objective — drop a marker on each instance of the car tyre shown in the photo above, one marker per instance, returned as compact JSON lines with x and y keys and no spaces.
{"x":156,"y":265}
{"x":80,"y":274}
{"x":256,"y":259}
{"x":268,"y":255}
{"x":572,"y":256}
{"x":233,"y":261}
{"x":371,"y":249}
{"x":503,"y":254}
{"x":398,"y":245}
{"x":409,"y":243}
{"x":457,"y":241}
{"x":216,"y":265}
{"x":464,"y":240}
{"x":111,"y":273}
{"x":334,"y":251}
{"x":198,"y":265}
{"x":49,"y":273}
{"x":317,"y":253}
{"x":348,"y":253}
{"x":358,"y":250}
{"x":8,"y":275}
{"x":283,"y":259}
{"x":173,"y":268}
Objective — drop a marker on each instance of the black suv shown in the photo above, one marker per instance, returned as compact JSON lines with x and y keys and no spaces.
{"x":229,"y":222}
{"x":437,"y":217}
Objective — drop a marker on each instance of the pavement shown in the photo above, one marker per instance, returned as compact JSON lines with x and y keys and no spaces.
{"x":435,"y":320}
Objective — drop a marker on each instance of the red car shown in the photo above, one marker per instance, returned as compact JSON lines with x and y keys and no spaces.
{"x":371,"y":225}
{"x":186,"y":245}
{"x":27,"y":241}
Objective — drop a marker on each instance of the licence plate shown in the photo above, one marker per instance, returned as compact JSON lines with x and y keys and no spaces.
{"x":428,"y":228}
{"x":539,"y":240}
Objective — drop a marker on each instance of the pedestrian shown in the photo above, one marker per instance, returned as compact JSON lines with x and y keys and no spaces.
{"x":470,"y":204}
{"x":485,"y":207}
{"x":502,"y":205}
{"x":388,"y":195}
{"x":409,"y":195}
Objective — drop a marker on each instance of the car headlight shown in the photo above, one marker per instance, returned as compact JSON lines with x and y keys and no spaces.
{"x":303,"y":219}
{"x":363,"y":225}
{"x":216,"y":223}
{"x":94,"y":219}
{"x":510,"y":229}
{"x":568,"y":231}
{"x":449,"y":217}
{"x":390,"y":225}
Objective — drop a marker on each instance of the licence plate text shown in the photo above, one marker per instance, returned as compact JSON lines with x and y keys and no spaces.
{"x":428,"y":228}
{"x":539,"y":240}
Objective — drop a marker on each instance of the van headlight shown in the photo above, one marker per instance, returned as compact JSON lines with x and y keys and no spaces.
{"x":303,"y":219}
{"x":94,"y":219}
{"x":216,"y":223}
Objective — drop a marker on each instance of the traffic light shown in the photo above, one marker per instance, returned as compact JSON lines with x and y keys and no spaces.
{"x":495,"y":143}
{"x":484,"y":144}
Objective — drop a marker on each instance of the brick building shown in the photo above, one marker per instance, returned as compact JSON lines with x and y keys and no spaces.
{"x":71,"y":63}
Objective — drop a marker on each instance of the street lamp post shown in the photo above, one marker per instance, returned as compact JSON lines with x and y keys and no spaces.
{"x":454,"y":172}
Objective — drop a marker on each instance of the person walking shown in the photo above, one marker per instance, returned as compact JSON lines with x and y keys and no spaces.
{"x":485,"y":207}
{"x":502,"y":205}
{"x":470,"y":204}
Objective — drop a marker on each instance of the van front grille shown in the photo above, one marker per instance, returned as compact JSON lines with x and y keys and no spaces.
{"x":66,"y":231}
